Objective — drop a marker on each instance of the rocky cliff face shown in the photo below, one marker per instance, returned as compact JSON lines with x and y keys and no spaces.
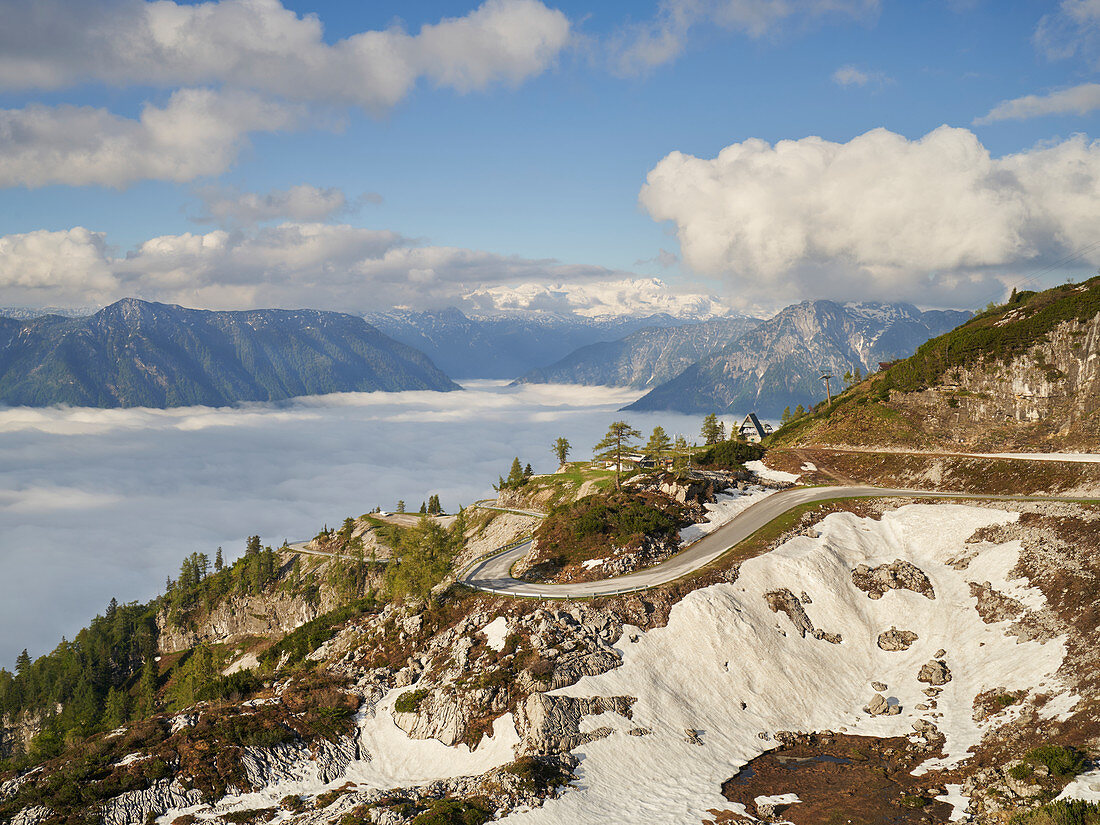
{"x":1048,"y":397}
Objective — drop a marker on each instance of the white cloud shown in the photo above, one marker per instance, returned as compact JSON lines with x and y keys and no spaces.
{"x":1077,"y":100}
{"x":644,"y":46}
{"x":262,"y":46}
{"x":302,"y":264}
{"x":198,"y":132}
{"x":880,"y":216}
{"x":230,"y":207}
{"x":1072,"y":30}
{"x":850,"y":75}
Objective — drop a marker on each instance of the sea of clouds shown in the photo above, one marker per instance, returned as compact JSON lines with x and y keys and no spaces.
{"x":100,"y":503}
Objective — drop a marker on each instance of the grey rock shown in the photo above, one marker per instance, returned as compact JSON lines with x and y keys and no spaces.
{"x":879,"y":706}
{"x":895,"y":640}
{"x":551,"y":724}
{"x":878,"y":685}
{"x":32,"y":816}
{"x":784,"y":600}
{"x":134,"y":807}
{"x":897,"y":575}
{"x":934,"y":672}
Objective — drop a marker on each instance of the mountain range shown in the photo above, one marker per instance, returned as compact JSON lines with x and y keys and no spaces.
{"x":780,"y":362}
{"x":134,"y":353}
{"x":645,"y":358}
{"x":505,"y":345}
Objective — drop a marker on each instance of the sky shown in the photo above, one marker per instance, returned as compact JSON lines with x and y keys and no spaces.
{"x":357,"y":156}
{"x":97,"y":503}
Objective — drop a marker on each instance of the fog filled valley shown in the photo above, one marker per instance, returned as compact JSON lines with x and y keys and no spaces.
{"x":96,"y":504}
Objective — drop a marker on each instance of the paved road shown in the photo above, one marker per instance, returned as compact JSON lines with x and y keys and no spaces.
{"x":494,"y":573}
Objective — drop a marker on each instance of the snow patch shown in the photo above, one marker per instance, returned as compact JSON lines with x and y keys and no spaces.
{"x":764,"y":471}
{"x":1085,"y":787}
{"x":809,"y":467}
{"x":723,"y":646}
{"x":495,"y":632}
{"x":957,"y":800}
{"x":727,"y":505}
{"x":589,"y":564}
{"x":246,"y":662}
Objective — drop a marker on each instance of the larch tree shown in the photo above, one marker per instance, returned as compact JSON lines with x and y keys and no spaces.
{"x":620,"y":438}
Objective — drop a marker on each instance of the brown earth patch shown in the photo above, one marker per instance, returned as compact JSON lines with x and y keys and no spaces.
{"x":840,"y":780}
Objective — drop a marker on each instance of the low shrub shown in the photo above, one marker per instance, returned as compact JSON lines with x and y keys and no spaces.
{"x":409,"y":701}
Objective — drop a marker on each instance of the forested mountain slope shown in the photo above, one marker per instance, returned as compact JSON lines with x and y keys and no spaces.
{"x":1024,"y":375}
{"x":135,"y":353}
{"x":644,"y":358}
{"x":779,"y":364}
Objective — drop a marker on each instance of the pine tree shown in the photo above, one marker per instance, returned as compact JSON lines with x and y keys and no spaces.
{"x":219,"y":563}
{"x":423,"y":508}
{"x":721,"y":431}
{"x":22,"y":662}
{"x":710,"y":429}
{"x":786,"y":417}
{"x":527,"y":471}
{"x":799,"y":411}
{"x":658,"y":443}
{"x":620,"y":438}
{"x":400,"y":506}
{"x":561,"y":449}
{"x":252,"y":547}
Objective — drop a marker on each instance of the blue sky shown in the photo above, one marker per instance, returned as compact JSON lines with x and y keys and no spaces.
{"x":546,"y":161}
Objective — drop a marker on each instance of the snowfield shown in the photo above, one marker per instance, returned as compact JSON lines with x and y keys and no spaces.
{"x":727,"y":505}
{"x":726,"y":673}
{"x":723,"y":647}
{"x":762,"y":470}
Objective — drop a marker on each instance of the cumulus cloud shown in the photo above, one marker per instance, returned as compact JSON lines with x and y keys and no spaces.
{"x":880,"y":216}
{"x":295,"y":264}
{"x":1072,"y":30}
{"x":1078,"y":100}
{"x":198,"y":132}
{"x":262,"y":46}
{"x":644,"y":46}
{"x":144,"y":488}
{"x":230,"y":207}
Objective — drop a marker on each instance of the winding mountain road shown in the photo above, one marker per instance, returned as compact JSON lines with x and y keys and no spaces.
{"x":493,"y":574}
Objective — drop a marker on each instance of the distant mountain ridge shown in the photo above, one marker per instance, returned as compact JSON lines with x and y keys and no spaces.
{"x":780,"y":362}
{"x":645,"y":358}
{"x":505,"y":345}
{"x":133,"y":353}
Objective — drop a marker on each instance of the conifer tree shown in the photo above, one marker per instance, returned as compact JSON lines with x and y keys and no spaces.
{"x":658,"y":443}
{"x":423,"y":508}
{"x":400,"y":506}
{"x":786,"y":417}
{"x":219,"y":562}
{"x":561,"y":449}
{"x":116,"y":709}
{"x":710,"y":429}
{"x":22,"y":662}
{"x":619,"y":439}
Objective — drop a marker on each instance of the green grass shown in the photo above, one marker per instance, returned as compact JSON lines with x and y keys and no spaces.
{"x":1072,"y":812}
